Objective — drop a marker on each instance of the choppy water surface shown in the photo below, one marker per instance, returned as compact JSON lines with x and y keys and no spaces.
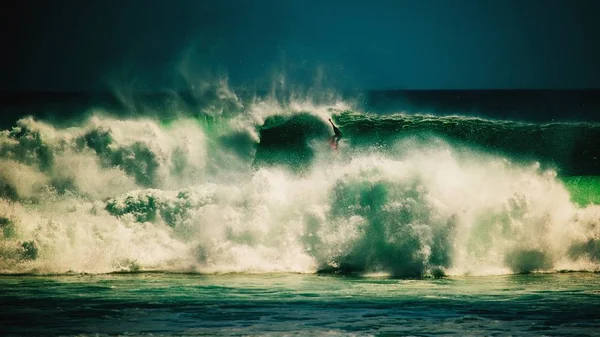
{"x":297,"y":304}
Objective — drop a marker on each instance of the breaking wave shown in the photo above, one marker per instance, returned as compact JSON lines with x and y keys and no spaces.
{"x":260,"y":190}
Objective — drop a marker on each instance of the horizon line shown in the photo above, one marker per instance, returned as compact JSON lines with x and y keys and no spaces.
{"x":183,"y":90}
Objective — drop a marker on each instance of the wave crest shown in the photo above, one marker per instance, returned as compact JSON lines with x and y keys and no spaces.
{"x":263,"y":192}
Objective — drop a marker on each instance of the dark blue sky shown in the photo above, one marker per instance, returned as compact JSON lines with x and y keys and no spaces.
{"x":376,"y":44}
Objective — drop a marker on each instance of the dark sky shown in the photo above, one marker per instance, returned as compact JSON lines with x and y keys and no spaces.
{"x":375,"y":44}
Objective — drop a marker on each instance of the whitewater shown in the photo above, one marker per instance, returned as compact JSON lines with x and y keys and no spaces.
{"x":254,"y":187}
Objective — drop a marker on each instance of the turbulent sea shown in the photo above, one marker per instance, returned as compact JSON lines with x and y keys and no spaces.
{"x":236,"y":217}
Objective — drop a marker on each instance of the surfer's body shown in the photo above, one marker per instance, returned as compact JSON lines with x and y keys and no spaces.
{"x":337,"y":135}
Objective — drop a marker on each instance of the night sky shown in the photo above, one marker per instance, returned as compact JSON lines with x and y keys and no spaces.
{"x":426,"y":44}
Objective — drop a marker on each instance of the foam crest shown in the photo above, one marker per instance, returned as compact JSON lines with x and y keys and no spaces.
{"x":261,"y":191}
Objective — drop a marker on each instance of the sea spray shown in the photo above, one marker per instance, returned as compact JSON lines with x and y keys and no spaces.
{"x":260,"y":191}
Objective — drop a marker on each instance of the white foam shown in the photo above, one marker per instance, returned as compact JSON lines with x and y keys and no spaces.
{"x":211,"y":212}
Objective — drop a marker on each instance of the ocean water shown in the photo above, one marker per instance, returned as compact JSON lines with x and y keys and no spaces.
{"x":235,"y":216}
{"x":300,"y":305}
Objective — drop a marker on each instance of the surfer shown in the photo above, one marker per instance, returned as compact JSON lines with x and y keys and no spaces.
{"x":337,"y":135}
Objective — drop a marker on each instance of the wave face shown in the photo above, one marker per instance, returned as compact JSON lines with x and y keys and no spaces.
{"x":260,"y":190}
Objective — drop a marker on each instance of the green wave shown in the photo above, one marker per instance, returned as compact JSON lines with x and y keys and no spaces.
{"x":584,"y":190}
{"x":569,"y":148}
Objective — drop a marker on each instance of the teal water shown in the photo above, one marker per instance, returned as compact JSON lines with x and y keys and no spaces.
{"x":156,"y":304}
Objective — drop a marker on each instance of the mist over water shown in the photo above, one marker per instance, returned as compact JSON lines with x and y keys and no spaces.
{"x":254,"y":187}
